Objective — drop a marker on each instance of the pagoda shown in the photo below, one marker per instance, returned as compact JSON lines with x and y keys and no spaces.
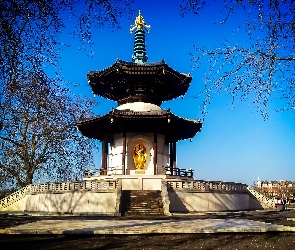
{"x":138,"y":175}
{"x":139,"y":137}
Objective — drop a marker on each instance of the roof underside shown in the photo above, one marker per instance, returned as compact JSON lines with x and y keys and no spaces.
{"x":129,"y":82}
{"x":162,"y":122}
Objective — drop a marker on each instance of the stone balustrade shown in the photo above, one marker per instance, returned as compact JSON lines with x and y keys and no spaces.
{"x":88,"y":173}
{"x":75,"y":185}
{"x":59,"y":187}
{"x":266,"y":202}
{"x":202,"y":185}
{"x":13,"y":197}
{"x":93,"y":172}
{"x":179,"y":172}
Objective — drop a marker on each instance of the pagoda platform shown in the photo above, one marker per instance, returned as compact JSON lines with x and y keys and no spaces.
{"x":104,"y":196}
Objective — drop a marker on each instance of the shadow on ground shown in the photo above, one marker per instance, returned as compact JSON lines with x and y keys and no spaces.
{"x":162,"y":241}
{"x":275,"y":240}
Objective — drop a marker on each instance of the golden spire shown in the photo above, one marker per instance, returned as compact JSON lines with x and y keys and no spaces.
{"x":139,"y":23}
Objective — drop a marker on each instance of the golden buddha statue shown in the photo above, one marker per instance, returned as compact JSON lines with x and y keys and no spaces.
{"x":139,"y":156}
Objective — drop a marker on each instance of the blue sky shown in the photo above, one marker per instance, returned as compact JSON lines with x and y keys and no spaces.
{"x":235,"y":144}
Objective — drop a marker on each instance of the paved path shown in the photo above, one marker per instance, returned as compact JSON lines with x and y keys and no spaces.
{"x":144,"y":226}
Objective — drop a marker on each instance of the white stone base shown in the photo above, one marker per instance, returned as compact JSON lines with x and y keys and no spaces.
{"x":70,"y":202}
{"x":141,"y":172}
{"x":180,"y":198}
{"x":142,"y":182}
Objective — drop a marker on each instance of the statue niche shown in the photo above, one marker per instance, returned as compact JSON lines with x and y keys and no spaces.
{"x":139,"y":156}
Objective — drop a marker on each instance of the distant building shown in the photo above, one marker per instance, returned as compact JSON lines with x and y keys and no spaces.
{"x":276,"y":189}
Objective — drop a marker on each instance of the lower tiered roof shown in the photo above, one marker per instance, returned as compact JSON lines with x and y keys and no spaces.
{"x":160,"y":121}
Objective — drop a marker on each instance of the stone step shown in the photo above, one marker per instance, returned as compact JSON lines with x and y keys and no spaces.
{"x":142,"y":202}
{"x":146,"y":214}
{"x":146,"y":209}
{"x":143,"y":213}
{"x":143,"y":205}
{"x":144,"y":197}
{"x":144,"y":194}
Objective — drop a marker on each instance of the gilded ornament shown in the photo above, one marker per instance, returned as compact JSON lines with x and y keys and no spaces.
{"x":139,"y":156}
{"x":139,"y":23}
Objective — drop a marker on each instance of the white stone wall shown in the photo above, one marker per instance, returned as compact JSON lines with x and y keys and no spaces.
{"x":142,"y":182}
{"x":163,"y":152}
{"x":105,"y":202}
{"x":71,"y":202}
{"x":17,"y":206}
{"x":115,"y":155}
{"x":210,"y":201}
{"x":116,"y":149}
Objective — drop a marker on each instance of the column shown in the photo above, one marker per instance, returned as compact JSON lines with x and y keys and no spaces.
{"x":155,"y":154}
{"x":104,"y":158}
{"x":171,"y":157}
{"x":174,"y":157}
{"x":123,"y":153}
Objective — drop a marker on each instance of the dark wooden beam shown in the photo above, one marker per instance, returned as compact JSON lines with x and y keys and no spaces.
{"x":155,"y":154}
{"x":171,"y":155}
{"x":123,"y":152}
{"x":174,"y":156}
{"x":104,"y":157}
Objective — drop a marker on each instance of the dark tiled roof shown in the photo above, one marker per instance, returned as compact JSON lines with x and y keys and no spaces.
{"x":160,"y":121}
{"x":128,"y":82}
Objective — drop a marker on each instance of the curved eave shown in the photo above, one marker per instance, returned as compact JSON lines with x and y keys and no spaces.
{"x":155,"y":81}
{"x":163,"y":122}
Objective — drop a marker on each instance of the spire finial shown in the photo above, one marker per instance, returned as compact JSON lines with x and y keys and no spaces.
{"x":139,"y":23}
{"x":139,"y":56}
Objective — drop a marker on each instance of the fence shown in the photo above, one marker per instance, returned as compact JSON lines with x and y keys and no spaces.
{"x":179,"y":172}
{"x":10,"y":199}
{"x":206,"y":185}
{"x":75,"y":185}
{"x":88,"y":173}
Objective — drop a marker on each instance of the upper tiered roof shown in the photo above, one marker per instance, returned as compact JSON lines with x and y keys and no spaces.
{"x":139,"y":81}
{"x":129,"y":82}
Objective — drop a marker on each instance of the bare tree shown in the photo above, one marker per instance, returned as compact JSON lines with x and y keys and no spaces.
{"x":39,"y":139}
{"x":258,"y":67}
{"x":29,"y":30}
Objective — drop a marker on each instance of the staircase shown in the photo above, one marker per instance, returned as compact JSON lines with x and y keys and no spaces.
{"x":142,"y":203}
{"x":266,"y":202}
{"x":14,"y":197}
